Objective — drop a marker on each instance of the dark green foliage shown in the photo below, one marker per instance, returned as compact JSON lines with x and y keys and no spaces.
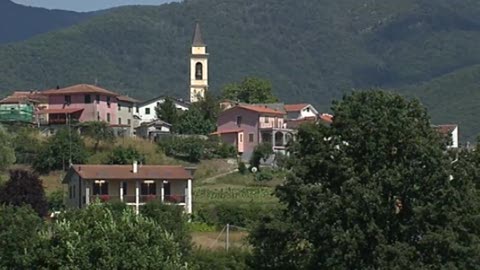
{"x":194,"y":149}
{"x":234,"y":259}
{"x":56,"y":153}
{"x":121,"y":155}
{"x":116,"y":207}
{"x":311,"y":51}
{"x":264,"y":176}
{"x":261,"y":152}
{"x":201,"y":118}
{"x":19,"y":237}
{"x":241,"y":215}
{"x":98,"y":131}
{"x":373,"y":191}
{"x":250,"y":90}
{"x":7,"y":152}
{"x":26,"y":144}
{"x":172,"y":219}
{"x":95,"y":238}
{"x":168,"y":112}
{"x":37,"y":20}
{"x":56,"y":200}
{"x":242,"y":168}
{"x":24,"y":188}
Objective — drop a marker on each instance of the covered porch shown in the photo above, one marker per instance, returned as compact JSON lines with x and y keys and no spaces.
{"x":278,"y":137}
{"x":136,"y":193}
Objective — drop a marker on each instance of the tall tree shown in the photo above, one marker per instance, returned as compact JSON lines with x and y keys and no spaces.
{"x":125,"y":155}
{"x":250,"y":90}
{"x":63,"y":147}
{"x":168,"y":112}
{"x":373,"y":191}
{"x":25,"y":188}
{"x":98,"y":131}
{"x":7,"y":152}
{"x":201,"y":118}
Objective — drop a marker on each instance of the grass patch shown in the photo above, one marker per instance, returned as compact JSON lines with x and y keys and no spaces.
{"x":215,"y":241}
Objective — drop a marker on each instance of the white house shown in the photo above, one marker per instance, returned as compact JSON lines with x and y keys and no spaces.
{"x":300,"y":111}
{"x":145,"y":111}
{"x":133,"y":184}
{"x":153,"y":130}
{"x":450,"y":132}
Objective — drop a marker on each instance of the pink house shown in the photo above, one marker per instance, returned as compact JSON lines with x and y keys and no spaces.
{"x":81,"y":103}
{"x":246,"y":126}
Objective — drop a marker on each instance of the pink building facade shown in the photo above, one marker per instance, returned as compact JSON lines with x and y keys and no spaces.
{"x":246,"y":126}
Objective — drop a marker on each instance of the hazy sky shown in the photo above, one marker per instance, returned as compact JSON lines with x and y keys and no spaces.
{"x":86,"y":5}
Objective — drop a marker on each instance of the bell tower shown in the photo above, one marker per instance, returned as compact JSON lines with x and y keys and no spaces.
{"x":198,"y":67}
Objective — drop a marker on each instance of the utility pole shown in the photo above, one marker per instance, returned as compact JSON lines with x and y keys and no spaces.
{"x":227,"y":242}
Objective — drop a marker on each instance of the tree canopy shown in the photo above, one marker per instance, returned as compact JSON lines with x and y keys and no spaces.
{"x":98,"y":131}
{"x":372,"y":191}
{"x":250,"y":90}
{"x":168,"y":112}
{"x":7,"y":152}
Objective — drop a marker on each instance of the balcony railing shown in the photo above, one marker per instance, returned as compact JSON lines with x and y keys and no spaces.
{"x":175,"y":199}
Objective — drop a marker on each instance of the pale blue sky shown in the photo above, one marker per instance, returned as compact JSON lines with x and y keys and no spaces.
{"x":87,"y":5}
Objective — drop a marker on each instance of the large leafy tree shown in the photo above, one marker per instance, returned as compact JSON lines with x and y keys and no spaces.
{"x":99,"y":132}
{"x":201,"y":118}
{"x":125,"y":155}
{"x":64,"y":147}
{"x":168,"y":112}
{"x":7,"y":152}
{"x":250,"y":90}
{"x":24,"y":188}
{"x":372,"y":191}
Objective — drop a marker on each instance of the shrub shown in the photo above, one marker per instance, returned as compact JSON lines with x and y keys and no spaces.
{"x":26,"y":145}
{"x":242,"y":168}
{"x":56,"y":200}
{"x":264,"y":176}
{"x":125,"y":155}
{"x":262,"y":151}
{"x":194,"y":149}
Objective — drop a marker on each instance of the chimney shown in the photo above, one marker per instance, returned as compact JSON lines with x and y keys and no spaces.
{"x":135,"y":167}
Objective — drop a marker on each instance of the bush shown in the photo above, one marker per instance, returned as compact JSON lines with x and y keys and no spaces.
{"x":263,"y":152}
{"x":56,"y":200}
{"x":241,"y":215}
{"x":194,"y":149}
{"x":242,"y":168}
{"x":125,"y":155}
{"x":264,"y":176}
{"x":201,"y":227}
{"x":26,"y":145}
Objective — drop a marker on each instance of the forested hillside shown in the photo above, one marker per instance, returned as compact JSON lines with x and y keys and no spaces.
{"x":311,"y":50}
{"x":19,"y":22}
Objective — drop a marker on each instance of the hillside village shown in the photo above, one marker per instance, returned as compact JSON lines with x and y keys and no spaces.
{"x":227,"y":162}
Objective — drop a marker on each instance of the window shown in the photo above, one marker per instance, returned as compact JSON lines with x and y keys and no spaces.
{"x":100,"y":188}
{"x":129,"y":108}
{"x":241,"y":138}
{"x":239,"y":121}
{"x":97,"y":98}
{"x":250,"y":137}
{"x":108,"y":117}
{"x":108,"y":102}
{"x":119,"y":121}
{"x":119,"y":107}
{"x":148,"y":188}
{"x":158,"y":104}
{"x":68,"y":100}
{"x":88,"y":99}
{"x":266,"y":120}
{"x":147,"y":111}
{"x":308,"y":109}
{"x":129,"y":122}
{"x":199,"y":71}
{"x":98,"y":116}
{"x":137,"y":110}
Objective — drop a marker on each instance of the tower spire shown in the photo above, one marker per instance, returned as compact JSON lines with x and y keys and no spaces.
{"x":197,"y":36}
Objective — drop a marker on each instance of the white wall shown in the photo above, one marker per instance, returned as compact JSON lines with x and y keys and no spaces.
{"x":152,"y":105}
{"x":454,"y":138}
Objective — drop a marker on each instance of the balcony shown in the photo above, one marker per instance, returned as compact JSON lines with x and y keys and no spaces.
{"x":131,"y":199}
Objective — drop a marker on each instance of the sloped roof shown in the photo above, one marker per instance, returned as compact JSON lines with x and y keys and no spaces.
{"x":295,"y":107}
{"x":25,"y":96}
{"x":60,"y":111}
{"x":445,"y":129}
{"x":197,"y":36}
{"x":328,"y":118}
{"x":227,"y":131}
{"x":125,"y":172}
{"x":80,"y":89}
{"x":260,"y":109}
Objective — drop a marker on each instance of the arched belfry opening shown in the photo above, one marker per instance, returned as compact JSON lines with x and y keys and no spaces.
{"x":199,"y":71}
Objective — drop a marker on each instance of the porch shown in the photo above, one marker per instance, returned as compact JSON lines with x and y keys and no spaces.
{"x":139,"y":192}
{"x":278,"y":137}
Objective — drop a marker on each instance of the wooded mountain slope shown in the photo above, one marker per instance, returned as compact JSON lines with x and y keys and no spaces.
{"x":19,"y":22}
{"x":312,"y":51}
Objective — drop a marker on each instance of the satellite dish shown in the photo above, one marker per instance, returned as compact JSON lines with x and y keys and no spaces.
{"x":254,"y":169}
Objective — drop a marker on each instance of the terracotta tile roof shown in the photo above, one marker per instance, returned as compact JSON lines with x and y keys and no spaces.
{"x":227,"y":131}
{"x":445,"y":129}
{"x":127,"y":99}
{"x":328,"y":118}
{"x":124,"y":172}
{"x":25,"y":96}
{"x":58,"y":111}
{"x":295,"y":107}
{"x":296,"y":123}
{"x":260,"y":109}
{"x":80,"y":89}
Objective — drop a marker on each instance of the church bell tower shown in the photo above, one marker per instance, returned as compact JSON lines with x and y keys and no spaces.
{"x":198,"y":67}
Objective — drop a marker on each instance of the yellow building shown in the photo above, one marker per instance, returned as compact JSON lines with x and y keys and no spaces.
{"x":198,"y":67}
